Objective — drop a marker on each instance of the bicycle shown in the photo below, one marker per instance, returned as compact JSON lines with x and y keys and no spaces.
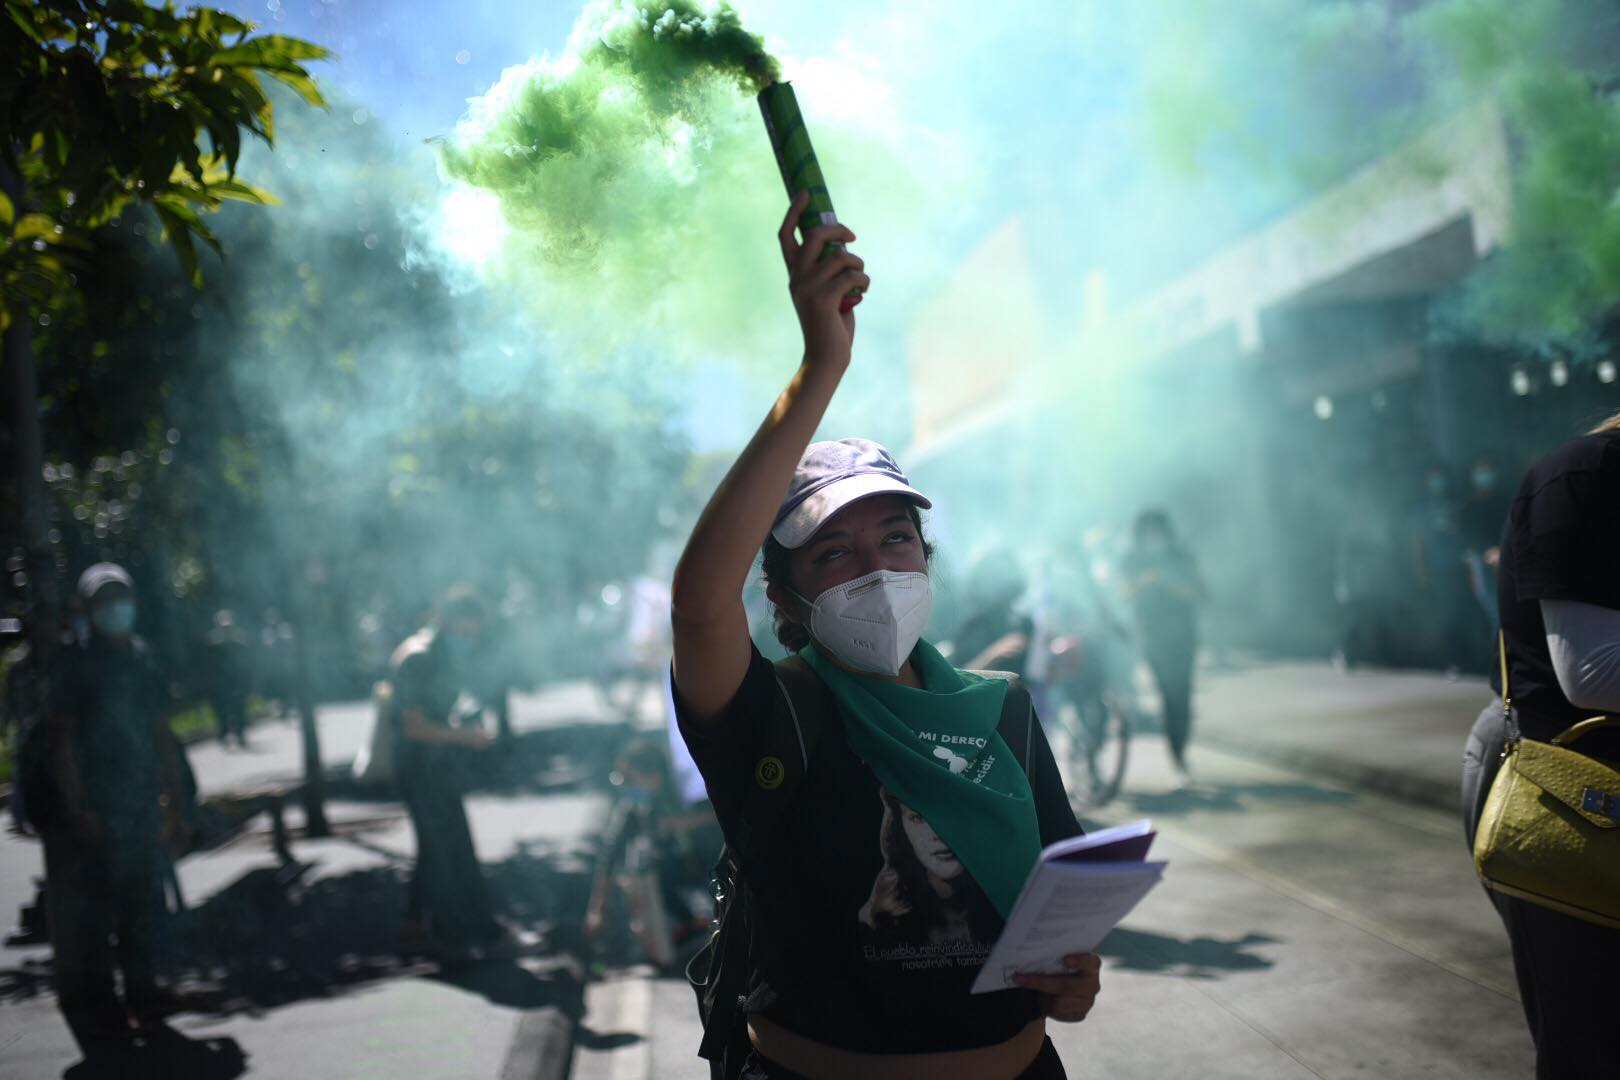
{"x":1093,"y":711}
{"x":642,"y":900}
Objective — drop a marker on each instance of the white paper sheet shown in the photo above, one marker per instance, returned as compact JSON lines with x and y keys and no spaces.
{"x":1065,"y":908}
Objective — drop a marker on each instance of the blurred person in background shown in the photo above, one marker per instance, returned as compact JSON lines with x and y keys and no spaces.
{"x":435,"y":673}
{"x":1560,"y":601}
{"x":117,"y":799}
{"x":1479,"y":525}
{"x":995,"y":635}
{"x":229,"y":658}
{"x":646,"y":850}
{"x":1360,"y":591}
{"x":22,"y":728}
{"x":1161,"y":581}
{"x":22,"y":696}
{"x":1441,"y":575}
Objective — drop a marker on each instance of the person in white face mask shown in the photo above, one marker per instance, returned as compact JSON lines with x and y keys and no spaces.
{"x":857,"y":585}
{"x":117,"y":798}
{"x":832,"y":989}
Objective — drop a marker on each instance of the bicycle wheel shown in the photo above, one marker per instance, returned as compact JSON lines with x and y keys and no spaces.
{"x":1100,"y":741}
{"x":649,"y":922}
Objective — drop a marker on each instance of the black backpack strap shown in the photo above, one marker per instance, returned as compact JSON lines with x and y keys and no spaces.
{"x":720,"y":973}
{"x":798,"y":716}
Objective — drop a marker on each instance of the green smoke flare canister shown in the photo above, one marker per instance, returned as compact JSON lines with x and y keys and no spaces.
{"x":800,"y":169}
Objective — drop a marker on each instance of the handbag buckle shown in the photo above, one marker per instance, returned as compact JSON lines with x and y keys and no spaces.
{"x":1594,"y":801}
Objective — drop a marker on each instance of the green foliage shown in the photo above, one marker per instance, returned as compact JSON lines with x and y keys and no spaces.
{"x":194,"y":723}
{"x":105,"y":103}
{"x":1560,"y":269}
{"x":327,"y":407}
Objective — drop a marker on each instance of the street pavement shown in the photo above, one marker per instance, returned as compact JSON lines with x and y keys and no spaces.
{"x":1320,"y":917}
{"x":301,"y":975}
{"x":1395,"y":732}
{"x":1307,"y":927}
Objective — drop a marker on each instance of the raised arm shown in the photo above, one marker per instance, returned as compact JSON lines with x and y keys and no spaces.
{"x":710,"y":628}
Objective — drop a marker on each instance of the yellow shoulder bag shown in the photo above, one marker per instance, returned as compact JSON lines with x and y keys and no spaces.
{"x":1550,"y":830}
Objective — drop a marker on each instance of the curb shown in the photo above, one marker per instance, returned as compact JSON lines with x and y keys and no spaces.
{"x":542,"y":1046}
{"x":1408,"y":787}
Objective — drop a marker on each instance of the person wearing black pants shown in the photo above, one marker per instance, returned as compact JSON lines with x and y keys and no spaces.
{"x":448,"y":904}
{"x":115,"y":792}
{"x":1559,"y":596}
{"x":1164,"y":588}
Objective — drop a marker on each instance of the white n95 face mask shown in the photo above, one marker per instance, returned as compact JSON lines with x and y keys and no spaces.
{"x":873,"y":622}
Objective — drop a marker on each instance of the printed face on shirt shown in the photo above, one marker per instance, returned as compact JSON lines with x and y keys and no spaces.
{"x":936,"y":857}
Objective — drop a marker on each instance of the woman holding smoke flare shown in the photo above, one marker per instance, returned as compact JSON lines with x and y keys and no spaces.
{"x":845,"y":980}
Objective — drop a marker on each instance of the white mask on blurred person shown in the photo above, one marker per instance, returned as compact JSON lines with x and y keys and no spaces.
{"x":116,"y":619}
{"x":872,"y":623}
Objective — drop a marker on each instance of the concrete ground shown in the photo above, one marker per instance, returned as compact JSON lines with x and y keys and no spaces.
{"x":1320,"y":917}
{"x":305,"y":979}
{"x":1307,"y":927}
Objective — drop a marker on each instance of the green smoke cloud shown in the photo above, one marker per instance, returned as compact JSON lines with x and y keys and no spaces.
{"x":636,"y":181}
{"x":1548,"y":64}
{"x":1228,"y":90}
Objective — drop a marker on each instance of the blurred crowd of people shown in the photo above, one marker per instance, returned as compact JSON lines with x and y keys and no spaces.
{"x":1442,"y":559}
{"x":102,"y":781}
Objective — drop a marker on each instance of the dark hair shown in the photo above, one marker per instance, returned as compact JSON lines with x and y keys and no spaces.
{"x":1153,"y":518}
{"x":778,"y":570}
{"x":462,"y":602}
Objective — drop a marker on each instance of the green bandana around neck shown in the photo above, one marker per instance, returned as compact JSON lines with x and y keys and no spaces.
{"x":937,"y":750}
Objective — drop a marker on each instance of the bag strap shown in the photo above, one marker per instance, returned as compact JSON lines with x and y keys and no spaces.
{"x":1563,"y":738}
{"x":791,"y":733}
{"x":1513,"y":733}
{"x":1585,"y":727}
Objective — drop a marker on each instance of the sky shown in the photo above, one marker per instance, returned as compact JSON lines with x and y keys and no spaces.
{"x":414,"y":63}
{"x":1036,"y":114}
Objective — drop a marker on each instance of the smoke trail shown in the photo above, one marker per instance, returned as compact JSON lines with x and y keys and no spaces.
{"x":1551,"y":66}
{"x":636,"y":184}
{"x":1378,"y":77}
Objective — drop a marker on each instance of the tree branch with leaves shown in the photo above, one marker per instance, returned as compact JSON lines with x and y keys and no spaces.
{"x":106,"y":102}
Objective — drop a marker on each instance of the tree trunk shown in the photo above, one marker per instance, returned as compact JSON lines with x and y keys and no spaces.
{"x":314,"y":789}
{"x":300,"y":608}
{"x":28,"y":453}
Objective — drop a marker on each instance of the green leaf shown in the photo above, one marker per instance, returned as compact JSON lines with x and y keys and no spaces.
{"x":36,"y":227}
{"x":8,"y":213}
{"x":227,"y":142}
{"x":213,"y":23}
{"x":177,"y":231}
{"x":241,"y":191}
{"x":301,"y":83}
{"x":18,"y":13}
{"x":269,"y":51}
{"x":243,"y":102}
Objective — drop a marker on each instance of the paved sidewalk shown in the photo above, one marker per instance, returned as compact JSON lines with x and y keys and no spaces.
{"x":1320,"y":920}
{"x":1400,"y":733}
{"x":302,"y":972}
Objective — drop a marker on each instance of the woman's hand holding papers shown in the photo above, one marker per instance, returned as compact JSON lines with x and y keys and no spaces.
{"x":1068,"y":998}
